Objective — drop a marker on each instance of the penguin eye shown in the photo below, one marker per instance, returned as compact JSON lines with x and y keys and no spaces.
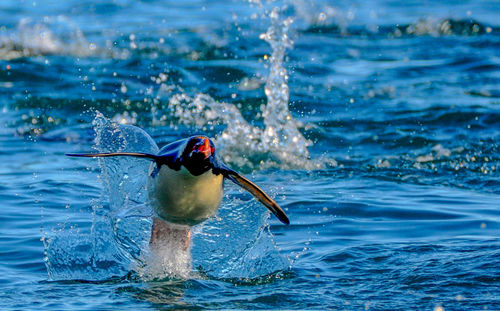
{"x":195,"y":143}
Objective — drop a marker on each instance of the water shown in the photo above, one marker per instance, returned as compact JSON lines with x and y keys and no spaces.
{"x":374,"y":125}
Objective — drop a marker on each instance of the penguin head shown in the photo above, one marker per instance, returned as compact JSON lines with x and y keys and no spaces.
{"x":198,"y":155}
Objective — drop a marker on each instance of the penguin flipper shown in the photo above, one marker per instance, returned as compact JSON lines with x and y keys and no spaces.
{"x":114,"y":154}
{"x":171,"y":160}
{"x":158,"y":159}
{"x":258,"y":193}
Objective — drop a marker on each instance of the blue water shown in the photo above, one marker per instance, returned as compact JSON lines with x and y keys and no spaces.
{"x":375,"y":125}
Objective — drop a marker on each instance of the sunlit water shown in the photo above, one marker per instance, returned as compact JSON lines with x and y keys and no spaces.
{"x":375,"y":125}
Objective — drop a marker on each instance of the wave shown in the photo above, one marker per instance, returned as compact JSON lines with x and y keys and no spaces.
{"x":422,"y":27}
{"x":60,"y":35}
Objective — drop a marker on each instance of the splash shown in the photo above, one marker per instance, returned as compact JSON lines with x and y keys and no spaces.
{"x":238,"y":240}
{"x":169,"y":254}
{"x":316,"y":16}
{"x":51,"y":36}
{"x":444,"y":27}
{"x":113,"y":242}
{"x":235,"y":244}
{"x":279,"y":143}
{"x":281,"y":132}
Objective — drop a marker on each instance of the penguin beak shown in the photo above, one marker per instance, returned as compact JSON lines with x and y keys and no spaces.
{"x":204,"y":148}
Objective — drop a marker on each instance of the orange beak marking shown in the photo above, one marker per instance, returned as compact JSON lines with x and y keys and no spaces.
{"x":205,"y":148}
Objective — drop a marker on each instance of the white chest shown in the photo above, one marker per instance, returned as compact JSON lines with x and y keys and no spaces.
{"x":179,"y":197}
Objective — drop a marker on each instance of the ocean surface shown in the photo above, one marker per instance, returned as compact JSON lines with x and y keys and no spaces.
{"x":375,"y":125}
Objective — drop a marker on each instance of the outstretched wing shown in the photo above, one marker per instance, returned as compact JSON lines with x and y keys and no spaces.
{"x":113,"y":154}
{"x":159,"y":159}
{"x":258,"y":193}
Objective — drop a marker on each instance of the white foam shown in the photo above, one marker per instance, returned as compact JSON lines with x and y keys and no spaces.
{"x":169,"y":256}
{"x":56,"y":35}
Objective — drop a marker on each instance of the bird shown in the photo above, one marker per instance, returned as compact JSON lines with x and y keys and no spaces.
{"x":185,"y":185}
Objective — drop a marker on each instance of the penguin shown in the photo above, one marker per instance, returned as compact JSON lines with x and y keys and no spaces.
{"x":185,"y":185}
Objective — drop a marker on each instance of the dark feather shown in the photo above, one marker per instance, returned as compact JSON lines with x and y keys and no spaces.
{"x":114,"y":154}
{"x":159,"y":159}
